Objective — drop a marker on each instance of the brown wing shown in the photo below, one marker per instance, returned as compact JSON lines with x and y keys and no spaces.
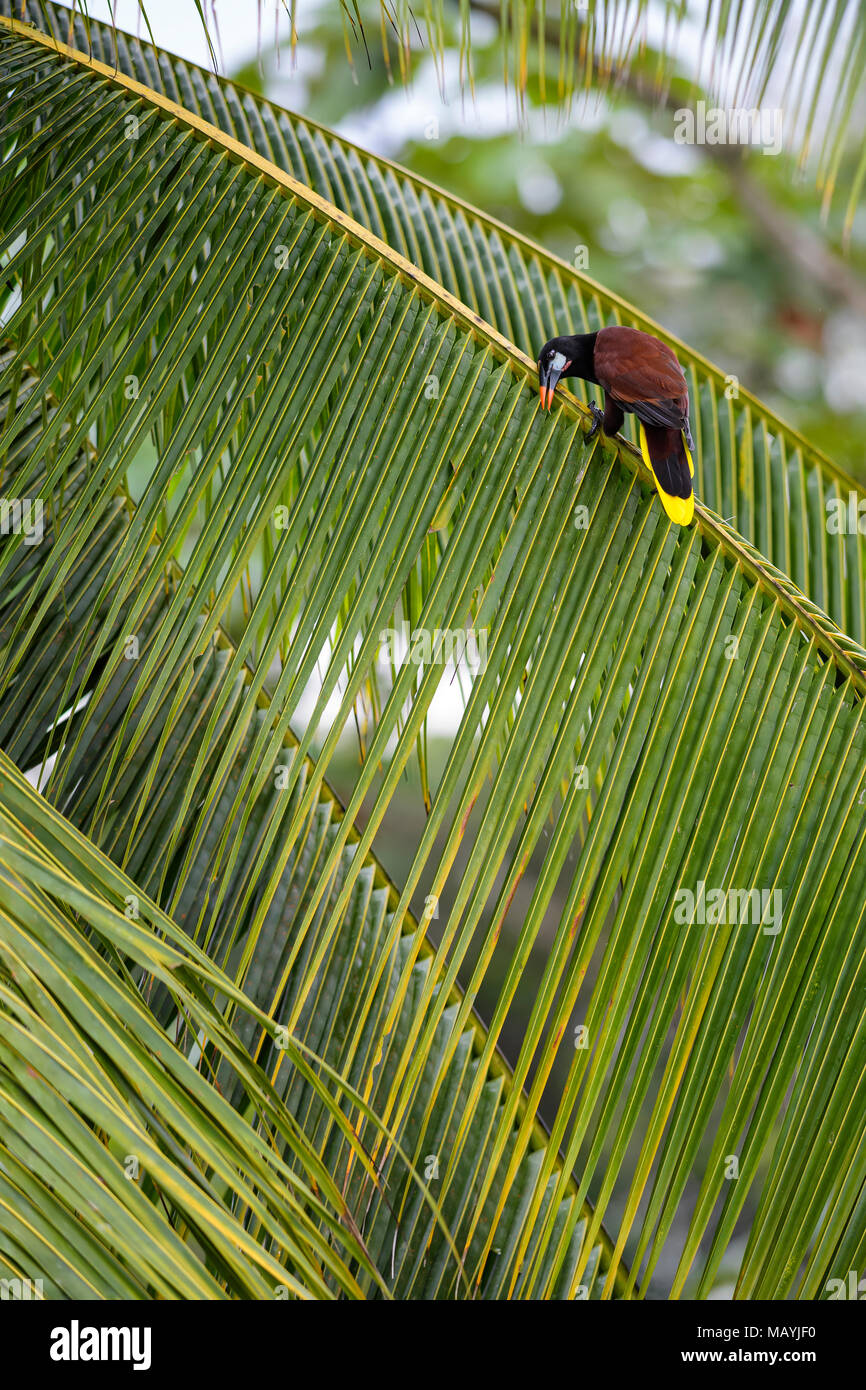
{"x":643,"y":376}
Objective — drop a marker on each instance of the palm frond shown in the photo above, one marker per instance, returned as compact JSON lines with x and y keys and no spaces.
{"x":139,"y":842}
{"x":126,"y":1173}
{"x":778,"y":490}
{"x":658,"y":709}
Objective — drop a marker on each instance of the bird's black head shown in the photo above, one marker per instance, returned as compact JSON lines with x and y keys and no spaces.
{"x":565,"y":356}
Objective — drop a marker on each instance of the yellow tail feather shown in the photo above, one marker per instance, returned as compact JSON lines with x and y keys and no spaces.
{"x":680,"y":509}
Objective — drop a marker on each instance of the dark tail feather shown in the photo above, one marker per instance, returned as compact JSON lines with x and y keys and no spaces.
{"x":665,"y":453}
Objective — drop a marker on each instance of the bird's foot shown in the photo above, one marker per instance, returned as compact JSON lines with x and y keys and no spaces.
{"x":690,"y":443}
{"x":597,"y":418}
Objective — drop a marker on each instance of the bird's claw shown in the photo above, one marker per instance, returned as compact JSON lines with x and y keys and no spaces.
{"x":597,"y":419}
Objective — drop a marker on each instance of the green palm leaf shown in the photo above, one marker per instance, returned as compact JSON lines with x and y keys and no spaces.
{"x":658,"y":709}
{"x":773,"y":485}
{"x":125,"y":1172}
{"x":331,"y":1009}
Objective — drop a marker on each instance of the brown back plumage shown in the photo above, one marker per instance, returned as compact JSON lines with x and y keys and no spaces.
{"x":643,"y":376}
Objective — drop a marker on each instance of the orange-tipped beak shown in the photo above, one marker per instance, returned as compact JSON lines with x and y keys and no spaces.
{"x":548,"y":377}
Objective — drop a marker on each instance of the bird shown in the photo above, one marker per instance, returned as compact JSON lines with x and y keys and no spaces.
{"x":640,"y":375}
